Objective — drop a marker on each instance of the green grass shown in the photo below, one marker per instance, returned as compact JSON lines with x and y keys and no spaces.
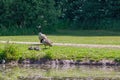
{"x":60,"y":52}
{"x":69,"y":36}
{"x":82,"y":53}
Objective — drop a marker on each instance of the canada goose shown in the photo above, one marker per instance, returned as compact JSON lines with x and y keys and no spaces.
{"x":41,"y":35}
{"x":46,"y":42}
{"x":43,"y":38}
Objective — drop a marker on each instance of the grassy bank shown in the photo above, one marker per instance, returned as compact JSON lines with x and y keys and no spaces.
{"x":69,"y":36}
{"x":18,"y":52}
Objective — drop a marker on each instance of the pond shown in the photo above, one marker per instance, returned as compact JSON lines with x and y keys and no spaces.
{"x":58,"y":72}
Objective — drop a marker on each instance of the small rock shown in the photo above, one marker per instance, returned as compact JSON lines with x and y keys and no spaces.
{"x":37,"y":48}
{"x":31,"y":48}
{"x":20,"y":77}
{"x":27,"y":61}
{"x":72,"y":62}
{"x":3,"y":61}
{"x":37,"y":77}
{"x":53,"y":62}
{"x":65,"y":62}
{"x":56,"y":61}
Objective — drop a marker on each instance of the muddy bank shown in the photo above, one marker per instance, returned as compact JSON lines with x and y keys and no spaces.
{"x":65,"y":78}
{"x":66,"y":62}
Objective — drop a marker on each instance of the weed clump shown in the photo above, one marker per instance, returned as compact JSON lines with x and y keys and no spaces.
{"x":10,"y":52}
{"x":117,"y":60}
{"x":48,"y":55}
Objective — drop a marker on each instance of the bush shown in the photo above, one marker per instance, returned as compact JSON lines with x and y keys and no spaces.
{"x":48,"y":55}
{"x":10,"y":52}
{"x":24,"y":15}
{"x":117,"y":60}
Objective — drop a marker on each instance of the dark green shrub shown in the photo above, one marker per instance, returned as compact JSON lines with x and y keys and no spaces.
{"x":48,"y":55}
{"x":10,"y":52}
{"x":117,"y":60}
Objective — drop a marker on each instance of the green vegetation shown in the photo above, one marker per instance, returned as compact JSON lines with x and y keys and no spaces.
{"x":91,"y":14}
{"x":82,"y":53}
{"x":28,"y":14}
{"x":22,"y":17}
{"x":10,"y":52}
{"x":69,"y":36}
{"x":94,"y":20}
{"x":18,"y":52}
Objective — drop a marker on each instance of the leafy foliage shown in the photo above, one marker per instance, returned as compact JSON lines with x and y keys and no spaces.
{"x":55,"y":14}
{"x":10,"y":52}
{"x":22,"y":14}
{"x":91,"y":14}
{"x":48,"y":55}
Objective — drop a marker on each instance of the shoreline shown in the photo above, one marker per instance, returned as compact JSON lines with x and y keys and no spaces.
{"x":65,"y":62}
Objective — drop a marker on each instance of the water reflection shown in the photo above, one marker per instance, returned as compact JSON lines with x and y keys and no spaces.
{"x":58,"y":72}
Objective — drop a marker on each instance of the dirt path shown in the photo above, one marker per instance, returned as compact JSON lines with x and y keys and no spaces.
{"x":68,"y":44}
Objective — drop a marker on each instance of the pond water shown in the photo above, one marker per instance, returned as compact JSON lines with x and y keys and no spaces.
{"x":58,"y":72}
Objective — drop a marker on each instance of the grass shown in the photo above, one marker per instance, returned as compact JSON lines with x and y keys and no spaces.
{"x":61,"y":52}
{"x":69,"y":36}
{"x":57,"y":52}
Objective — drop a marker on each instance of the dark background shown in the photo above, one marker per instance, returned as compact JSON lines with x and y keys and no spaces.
{"x":21,"y":17}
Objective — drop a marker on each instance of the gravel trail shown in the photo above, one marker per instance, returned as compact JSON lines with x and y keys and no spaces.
{"x":67,"y":44}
